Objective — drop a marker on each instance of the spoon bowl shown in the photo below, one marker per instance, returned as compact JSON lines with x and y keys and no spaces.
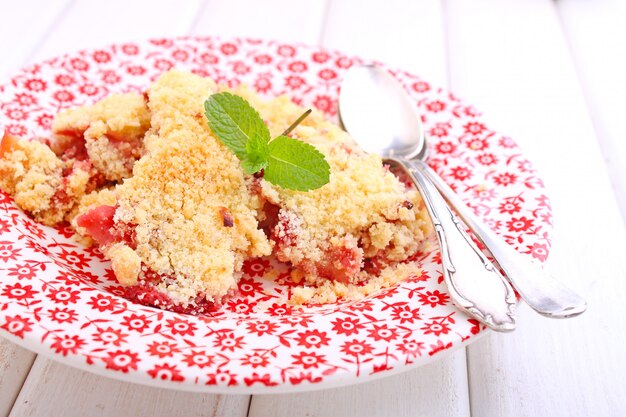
{"x":395,"y":131}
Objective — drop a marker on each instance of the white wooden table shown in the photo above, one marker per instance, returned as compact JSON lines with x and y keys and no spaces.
{"x":552,"y":74}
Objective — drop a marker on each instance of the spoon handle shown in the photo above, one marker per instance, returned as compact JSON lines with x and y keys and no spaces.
{"x":474,"y":284}
{"x":540,"y":290}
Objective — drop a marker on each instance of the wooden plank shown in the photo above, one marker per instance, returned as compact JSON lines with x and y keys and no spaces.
{"x":402,"y":34}
{"x":597,"y":38}
{"x":513,"y":62}
{"x":276,"y":19}
{"x":24,"y":25}
{"x":440,"y":388}
{"x":437,"y":389}
{"x":90,"y":24}
{"x":15,"y":362}
{"x":53,"y":389}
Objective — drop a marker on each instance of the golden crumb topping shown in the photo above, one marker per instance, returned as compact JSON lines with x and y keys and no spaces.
{"x":112,"y":130}
{"x":328,"y":291}
{"x":123,"y":116}
{"x":179,"y":194}
{"x":92,"y":145}
{"x":31,"y":172}
{"x":35,"y":177}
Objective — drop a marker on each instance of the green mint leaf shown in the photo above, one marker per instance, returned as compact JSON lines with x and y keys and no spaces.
{"x":288,"y":163}
{"x":296,"y":165}
{"x":234,"y":121}
{"x":257,"y":152}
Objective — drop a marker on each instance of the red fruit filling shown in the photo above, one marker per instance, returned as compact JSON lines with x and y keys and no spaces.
{"x":340,"y":263}
{"x":100,"y":225}
{"x":146,"y":293}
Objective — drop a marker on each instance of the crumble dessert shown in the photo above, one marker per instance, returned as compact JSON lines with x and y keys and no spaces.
{"x":179,"y":226}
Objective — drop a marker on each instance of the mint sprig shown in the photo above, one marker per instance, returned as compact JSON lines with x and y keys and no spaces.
{"x":234,"y":121}
{"x":288,"y":163}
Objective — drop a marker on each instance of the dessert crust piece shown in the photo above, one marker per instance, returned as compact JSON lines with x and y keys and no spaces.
{"x":178,"y":194}
{"x":39,"y":181}
{"x":364,"y":215}
{"x":109,"y":133}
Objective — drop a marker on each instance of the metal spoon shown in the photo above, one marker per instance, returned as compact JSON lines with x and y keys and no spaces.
{"x":540,"y":290}
{"x":382,"y":121}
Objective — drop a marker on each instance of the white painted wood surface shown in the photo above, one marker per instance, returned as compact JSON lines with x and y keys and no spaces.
{"x":597,"y":40}
{"x":552,"y":75}
{"x":53,"y":389}
{"x":26,"y":26}
{"x":15,"y":364}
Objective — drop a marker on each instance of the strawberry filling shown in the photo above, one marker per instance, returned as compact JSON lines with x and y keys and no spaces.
{"x":341,"y":263}
{"x":149,"y":295}
{"x":100,"y":224}
{"x":71,"y":146}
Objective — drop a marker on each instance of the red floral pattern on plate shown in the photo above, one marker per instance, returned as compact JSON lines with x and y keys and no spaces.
{"x":60,"y":299}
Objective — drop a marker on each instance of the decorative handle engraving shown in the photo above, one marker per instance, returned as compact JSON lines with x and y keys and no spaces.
{"x":475,"y":285}
{"x":539,"y":289}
